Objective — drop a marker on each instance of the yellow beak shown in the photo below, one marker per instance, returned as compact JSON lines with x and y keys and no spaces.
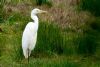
{"x":42,"y":11}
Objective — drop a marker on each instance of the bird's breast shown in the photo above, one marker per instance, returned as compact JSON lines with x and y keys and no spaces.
{"x":32,"y":27}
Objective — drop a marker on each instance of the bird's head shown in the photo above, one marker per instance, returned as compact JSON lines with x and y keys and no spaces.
{"x":37,"y":11}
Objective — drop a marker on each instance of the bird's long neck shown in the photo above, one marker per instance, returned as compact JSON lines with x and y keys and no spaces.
{"x":35,"y":18}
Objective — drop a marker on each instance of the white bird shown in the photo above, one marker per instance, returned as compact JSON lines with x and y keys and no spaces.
{"x":29,"y":37}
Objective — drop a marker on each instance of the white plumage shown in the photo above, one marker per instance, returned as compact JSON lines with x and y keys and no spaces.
{"x":29,"y":37}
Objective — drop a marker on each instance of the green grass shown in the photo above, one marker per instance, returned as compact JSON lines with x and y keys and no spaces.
{"x":43,"y":62}
{"x":55,"y":47}
{"x":51,"y":50}
{"x":49,"y":39}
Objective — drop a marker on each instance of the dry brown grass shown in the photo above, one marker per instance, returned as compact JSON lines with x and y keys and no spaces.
{"x":66,"y":15}
{"x":62,"y":13}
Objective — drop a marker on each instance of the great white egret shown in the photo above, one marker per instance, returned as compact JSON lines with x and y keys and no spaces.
{"x":29,"y":37}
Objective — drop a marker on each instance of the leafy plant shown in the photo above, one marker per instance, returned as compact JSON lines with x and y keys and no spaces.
{"x":91,"y":5}
{"x":47,"y":2}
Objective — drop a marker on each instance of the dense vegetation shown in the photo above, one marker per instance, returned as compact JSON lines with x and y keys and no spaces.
{"x":92,"y":31}
{"x":71,"y":43}
{"x":92,"y":6}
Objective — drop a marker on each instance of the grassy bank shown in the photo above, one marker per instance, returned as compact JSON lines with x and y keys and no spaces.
{"x":61,"y":42}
